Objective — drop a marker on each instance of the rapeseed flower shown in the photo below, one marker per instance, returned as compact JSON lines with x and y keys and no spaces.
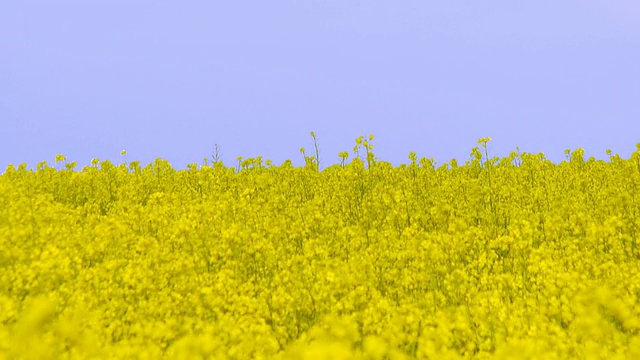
{"x":491,"y":259}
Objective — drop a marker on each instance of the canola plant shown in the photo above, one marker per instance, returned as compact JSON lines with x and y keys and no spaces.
{"x":496,"y":258}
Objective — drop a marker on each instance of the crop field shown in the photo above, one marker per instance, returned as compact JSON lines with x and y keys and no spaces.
{"x":496,"y":258}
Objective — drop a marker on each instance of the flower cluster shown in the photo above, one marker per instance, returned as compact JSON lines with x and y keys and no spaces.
{"x":512,"y":258}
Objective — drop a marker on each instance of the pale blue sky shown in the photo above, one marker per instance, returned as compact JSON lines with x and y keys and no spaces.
{"x":172,"y":78}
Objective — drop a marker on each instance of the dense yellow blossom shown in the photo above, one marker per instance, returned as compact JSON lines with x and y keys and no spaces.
{"x":512,"y":258}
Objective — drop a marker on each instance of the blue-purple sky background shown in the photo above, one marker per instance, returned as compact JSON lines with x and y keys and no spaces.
{"x":171,"y":79}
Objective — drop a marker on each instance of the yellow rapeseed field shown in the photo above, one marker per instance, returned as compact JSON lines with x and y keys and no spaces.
{"x":497,"y":258}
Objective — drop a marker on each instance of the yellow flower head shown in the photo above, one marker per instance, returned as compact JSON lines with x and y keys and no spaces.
{"x":484,"y":140}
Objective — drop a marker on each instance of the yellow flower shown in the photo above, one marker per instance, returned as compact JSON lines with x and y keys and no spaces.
{"x":398,"y":262}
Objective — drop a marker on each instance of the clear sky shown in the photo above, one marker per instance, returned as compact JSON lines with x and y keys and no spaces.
{"x":170,"y":79}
